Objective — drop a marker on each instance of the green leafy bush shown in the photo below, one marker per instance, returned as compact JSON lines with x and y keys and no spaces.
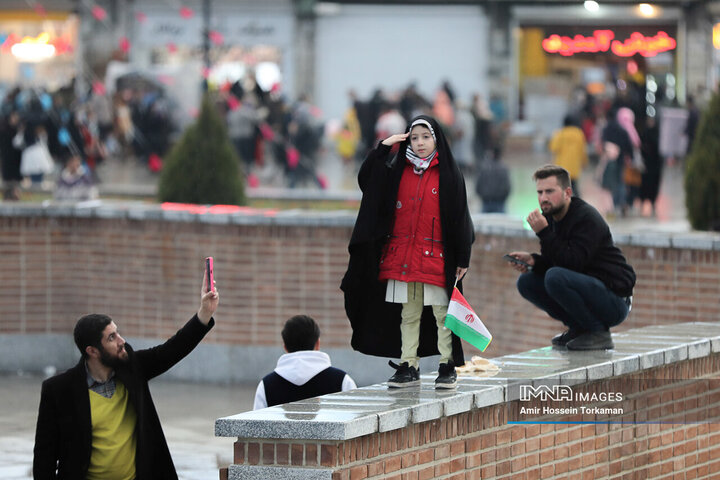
{"x":203,"y":167}
{"x":702,"y":171}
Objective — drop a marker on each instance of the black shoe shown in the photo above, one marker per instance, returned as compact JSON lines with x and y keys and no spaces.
{"x":600,"y":340}
{"x":406,"y":376}
{"x":447,"y":378}
{"x":562,"y":339}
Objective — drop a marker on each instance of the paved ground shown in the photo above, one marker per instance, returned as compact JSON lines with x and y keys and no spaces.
{"x":187,"y":411}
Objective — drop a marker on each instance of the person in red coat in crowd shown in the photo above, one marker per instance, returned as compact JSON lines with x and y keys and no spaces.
{"x":410,"y":245}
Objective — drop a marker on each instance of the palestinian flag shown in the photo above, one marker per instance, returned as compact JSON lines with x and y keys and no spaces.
{"x":465,"y":323}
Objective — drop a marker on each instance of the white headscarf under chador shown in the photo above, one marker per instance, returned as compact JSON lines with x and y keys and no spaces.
{"x":421,"y":164}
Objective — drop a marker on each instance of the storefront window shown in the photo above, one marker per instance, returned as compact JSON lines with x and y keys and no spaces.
{"x":39,"y":52}
{"x":572,"y":69}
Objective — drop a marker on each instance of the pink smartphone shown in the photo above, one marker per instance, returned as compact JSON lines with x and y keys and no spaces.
{"x":209,"y":273}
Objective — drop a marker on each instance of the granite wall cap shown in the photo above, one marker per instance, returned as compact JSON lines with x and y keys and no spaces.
{"x":376,"y":408}
{"x":394,"y":419}
{"x":253,"y":472}
{"x":326,"y":426}
{"x":485,"y":224}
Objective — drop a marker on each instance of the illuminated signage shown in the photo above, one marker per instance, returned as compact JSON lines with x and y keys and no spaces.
{"x":604,"y":40}
{"x":34,"y":49}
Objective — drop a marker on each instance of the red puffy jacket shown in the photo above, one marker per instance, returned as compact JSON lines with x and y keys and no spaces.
{"x":414,"y":251}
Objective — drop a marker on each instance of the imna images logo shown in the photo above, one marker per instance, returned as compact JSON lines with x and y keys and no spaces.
{"x":556,"y":393}
{"x":559,"y":393}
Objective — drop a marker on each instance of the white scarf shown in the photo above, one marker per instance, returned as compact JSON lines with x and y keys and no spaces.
{"x":419,"y":164}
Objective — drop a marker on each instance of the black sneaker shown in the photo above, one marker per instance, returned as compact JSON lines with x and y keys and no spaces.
{"x":406,"y":376}
{"x":562,"y":339}
{"x":600,"y":340}
{"x":447,"y":378}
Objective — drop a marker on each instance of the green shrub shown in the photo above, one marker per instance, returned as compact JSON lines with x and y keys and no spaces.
{"x":702,"y":171}
{"x":203,"y":167}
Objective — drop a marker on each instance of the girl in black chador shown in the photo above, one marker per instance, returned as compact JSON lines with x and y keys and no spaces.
{"x":411,"y":243}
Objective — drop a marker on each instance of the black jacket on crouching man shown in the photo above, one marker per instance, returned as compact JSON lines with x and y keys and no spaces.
{"x":375,"y":322}
{"x":582,"y":242}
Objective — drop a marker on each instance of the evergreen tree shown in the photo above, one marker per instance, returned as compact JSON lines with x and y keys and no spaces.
{"x":203,"y":167}
{"x":702,"y":172}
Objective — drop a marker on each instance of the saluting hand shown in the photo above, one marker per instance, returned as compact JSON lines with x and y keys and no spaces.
{"x":393,"y":139}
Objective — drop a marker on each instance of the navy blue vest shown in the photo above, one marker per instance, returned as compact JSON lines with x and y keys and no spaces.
{"x":278,"y":390}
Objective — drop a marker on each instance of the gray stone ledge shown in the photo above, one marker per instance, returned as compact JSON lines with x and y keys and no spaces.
{"x":394,"y":419}
{"x":458,"y":403}
{"x":485,"y":224}
{"x":376,"y":408}
{"x":297,"y":425}
{"x":699,"y":349}
{"x":489,"y":396}
{"x":652,"y":359}
{"x":676,"y":354}
{"x":252,"y":472}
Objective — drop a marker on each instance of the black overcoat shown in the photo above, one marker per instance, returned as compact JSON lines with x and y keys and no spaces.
{"x":375,"y":322}
{"x":63,"y":438}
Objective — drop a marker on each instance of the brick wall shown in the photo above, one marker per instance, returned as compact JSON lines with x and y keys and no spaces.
{"x":670,"y":428}
{"x":146,"y":274}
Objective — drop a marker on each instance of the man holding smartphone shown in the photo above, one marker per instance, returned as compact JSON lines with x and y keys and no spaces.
{"x":579,"y":277}
{"x":97,"y":420}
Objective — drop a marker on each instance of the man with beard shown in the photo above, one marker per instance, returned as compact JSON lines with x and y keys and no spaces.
{"x":97,"y":420}
{"x":579,"y":277}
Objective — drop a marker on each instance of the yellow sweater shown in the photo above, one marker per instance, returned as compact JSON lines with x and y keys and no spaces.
{"x":113,"y":436}
{"x":570,"y":150}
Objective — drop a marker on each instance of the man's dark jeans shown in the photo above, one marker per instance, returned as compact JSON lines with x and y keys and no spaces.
{"x":581,"y":302}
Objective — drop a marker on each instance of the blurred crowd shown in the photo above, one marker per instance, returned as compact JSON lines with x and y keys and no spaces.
{"x":55,"y":141}
{"x":617,"y":138}
{"x":271,"y":133}
{"x":64,"y":137}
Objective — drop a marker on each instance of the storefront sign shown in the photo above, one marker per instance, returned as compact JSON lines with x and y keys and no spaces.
{"x":34,"y":49}
{"x":234,"y":29}
{"x":604,"y":40}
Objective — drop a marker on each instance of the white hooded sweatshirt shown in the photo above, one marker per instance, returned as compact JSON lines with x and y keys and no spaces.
{"x":298,"y":368}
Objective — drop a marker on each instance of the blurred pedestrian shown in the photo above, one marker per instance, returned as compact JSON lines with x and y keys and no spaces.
{"x":389,"y":122}
{"x":36,"y":160}
{"x":616,"y":148}
{"x":75,"y":182}
{"x":632,"y":171}
{"x":482,"y":140}
{"x":652,"y":175}
{"x":243,"y":122}
{"x":569,"y":149}
{"x":493,"y":185}
{"x":10,"y":156}
{"x":464,"y":138}
{"x":693,"y":120}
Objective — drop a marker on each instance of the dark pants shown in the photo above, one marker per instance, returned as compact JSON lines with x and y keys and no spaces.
{"x":580,"y":301}
{"x":493,"y":206}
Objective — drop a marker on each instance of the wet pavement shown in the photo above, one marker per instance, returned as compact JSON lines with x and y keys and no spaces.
{"x":187,"y":412}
